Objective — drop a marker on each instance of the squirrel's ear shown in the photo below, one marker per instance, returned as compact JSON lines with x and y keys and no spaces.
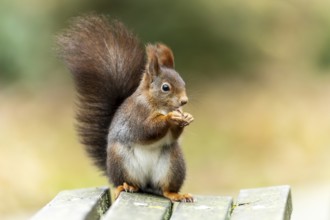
{"x":152,"y":64}
{"x":165,"y":56}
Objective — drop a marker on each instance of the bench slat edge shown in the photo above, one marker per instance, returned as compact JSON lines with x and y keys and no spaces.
{"x":139,"y":206}
{"x":78,"y":204}
{"x":204,"y":207}
{"x":271,"y":203}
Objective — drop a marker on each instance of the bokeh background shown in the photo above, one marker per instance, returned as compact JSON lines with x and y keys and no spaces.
{"x":258,"y":76}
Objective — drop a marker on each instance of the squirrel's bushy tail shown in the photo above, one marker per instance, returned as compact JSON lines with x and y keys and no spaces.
{"x":107,"y":63}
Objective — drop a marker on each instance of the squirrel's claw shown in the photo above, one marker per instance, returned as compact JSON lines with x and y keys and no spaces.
{"x":125,"y":187}
{"x":177,"y":197}
{"x":129,"y":188}
{"x":188,"y":118}
{"x":118,"y":190}
{"x":188,"y":198}
{"x":180,"y":119}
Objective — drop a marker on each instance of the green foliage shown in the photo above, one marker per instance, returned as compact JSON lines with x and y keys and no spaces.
{"x":324,"y":59}
{"x":208,"y":37}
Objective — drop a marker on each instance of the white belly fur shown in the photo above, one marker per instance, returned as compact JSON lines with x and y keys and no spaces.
{"x":148,"y":163}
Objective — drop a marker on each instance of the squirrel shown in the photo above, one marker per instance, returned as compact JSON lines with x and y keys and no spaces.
{"x":129,"y":109}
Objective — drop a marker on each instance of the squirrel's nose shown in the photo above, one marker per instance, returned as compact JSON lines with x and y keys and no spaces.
{"x":184,"y":101}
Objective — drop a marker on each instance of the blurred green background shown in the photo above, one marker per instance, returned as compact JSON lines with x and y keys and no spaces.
{"x":258,"y":81}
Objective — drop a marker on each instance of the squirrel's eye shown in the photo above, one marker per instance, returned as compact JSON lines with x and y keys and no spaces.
{"x":166,"y":87}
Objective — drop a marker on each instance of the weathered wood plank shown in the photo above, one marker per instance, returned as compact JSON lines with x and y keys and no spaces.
{"x":78,"y":204}
{"x":204,"y":207}
{"x":271,"y":203}
{"x":139,"y":206}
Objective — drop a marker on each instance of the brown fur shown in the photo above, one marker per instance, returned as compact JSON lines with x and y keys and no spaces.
{"x":122,"y":104}
{"x":107,"y":63}
{"x":165,"y":55}
{"x":117,"y":174}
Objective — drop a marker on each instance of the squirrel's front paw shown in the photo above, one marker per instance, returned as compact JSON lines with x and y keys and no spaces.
{"x":188,"y":118}
{"x":180,"y":119}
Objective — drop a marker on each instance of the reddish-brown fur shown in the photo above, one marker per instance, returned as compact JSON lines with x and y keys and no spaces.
{"x":122,"y":104}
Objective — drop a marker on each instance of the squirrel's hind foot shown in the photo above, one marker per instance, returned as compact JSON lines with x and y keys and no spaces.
{"x":177,"y":197}
{"x":125,"y":187}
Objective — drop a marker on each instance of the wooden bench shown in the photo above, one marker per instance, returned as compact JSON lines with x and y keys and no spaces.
{"x":270,"y":203}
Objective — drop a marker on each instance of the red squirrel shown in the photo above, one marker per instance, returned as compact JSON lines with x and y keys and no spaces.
{"x":129,"y":109}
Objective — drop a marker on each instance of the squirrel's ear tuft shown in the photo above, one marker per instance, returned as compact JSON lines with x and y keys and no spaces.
{"x":153,"y":62}
{"x":165,"y":56}
{"x":158,"y":55}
